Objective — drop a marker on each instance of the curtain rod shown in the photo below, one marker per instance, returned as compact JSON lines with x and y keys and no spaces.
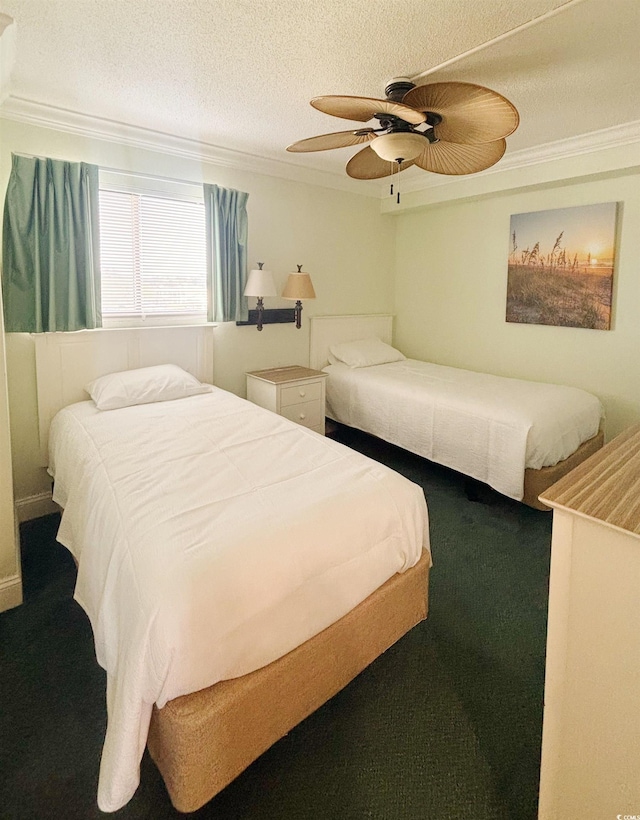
{"x":115,"y":170}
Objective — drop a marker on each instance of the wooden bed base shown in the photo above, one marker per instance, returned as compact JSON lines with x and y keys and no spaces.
{"x":201,"y":742}
{"x":537,"y":481}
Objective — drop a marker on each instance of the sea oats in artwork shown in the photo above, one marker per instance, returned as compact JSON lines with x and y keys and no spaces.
{"x":561,"y":266}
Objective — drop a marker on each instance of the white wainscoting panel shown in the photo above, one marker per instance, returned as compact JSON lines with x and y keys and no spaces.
{"x":66,"y":362}
{"x":330,"y":330}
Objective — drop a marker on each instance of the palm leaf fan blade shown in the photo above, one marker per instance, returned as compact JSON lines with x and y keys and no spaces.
{"x":363,"y":109}
{"x":366,"y":164}
{"x":325,"y":142}
{"x":456,"y":159}
{"x":470,"y":113}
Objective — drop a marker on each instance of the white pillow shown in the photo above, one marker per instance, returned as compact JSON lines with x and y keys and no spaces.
{"x":164,"y":382}
{"x":365,"y":353}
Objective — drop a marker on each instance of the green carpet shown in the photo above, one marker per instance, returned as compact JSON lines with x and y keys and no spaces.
{"x":446,"y":724}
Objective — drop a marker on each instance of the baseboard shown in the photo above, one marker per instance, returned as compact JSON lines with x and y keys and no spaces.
{"x":10,"y":592}
{"x":35,"y":506}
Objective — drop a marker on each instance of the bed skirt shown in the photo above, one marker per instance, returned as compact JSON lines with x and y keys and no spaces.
{"x":202,"y":741}
{"x":537,"y":481}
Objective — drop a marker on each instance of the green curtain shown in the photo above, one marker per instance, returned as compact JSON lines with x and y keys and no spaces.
{"x":50,"y":246}
{"x":227,"y":229}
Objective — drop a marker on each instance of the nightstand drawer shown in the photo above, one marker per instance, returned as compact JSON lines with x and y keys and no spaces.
{"x":294,"y":392}
{"x":300,"y":393}
{"x":309,"y":413}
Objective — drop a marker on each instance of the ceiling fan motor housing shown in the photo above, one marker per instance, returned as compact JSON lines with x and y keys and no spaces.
{"x":397,"y":88}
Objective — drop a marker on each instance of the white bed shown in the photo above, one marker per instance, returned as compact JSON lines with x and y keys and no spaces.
{"x":212,"y":537}
{"x":488,"y":427}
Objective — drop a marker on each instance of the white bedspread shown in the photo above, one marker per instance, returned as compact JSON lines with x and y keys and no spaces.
{"x":213,"y":537}
{"x":487,"y":427}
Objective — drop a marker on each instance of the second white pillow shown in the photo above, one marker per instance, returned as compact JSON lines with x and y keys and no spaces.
{"x":365,"y":353}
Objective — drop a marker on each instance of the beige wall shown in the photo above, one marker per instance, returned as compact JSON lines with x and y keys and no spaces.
{"x":450,"y":276}
{"x":450,"y":291}
{"x":340,"y":238}
{"x":8,"y":557}
{"x":10,"y":581}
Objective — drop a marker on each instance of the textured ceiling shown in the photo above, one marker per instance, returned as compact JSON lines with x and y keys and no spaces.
{"x":240,"y":74}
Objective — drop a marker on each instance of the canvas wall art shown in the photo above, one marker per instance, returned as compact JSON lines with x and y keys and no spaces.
{"x":561,"y":266}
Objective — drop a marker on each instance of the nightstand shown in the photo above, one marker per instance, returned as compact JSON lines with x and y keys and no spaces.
{"x":297,"y":393}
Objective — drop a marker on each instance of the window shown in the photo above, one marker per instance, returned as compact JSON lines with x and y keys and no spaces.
{"x":152,"y":251}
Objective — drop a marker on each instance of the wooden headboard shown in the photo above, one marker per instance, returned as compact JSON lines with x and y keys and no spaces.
{"x":66,"y":362}
{"x":328,"y":330}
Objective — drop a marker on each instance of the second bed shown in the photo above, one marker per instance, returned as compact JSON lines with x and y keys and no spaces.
{"x":517,"y":436}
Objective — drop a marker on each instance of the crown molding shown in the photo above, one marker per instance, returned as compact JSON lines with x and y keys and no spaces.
{"x":30,"y":112}
{"x":19,"y":109}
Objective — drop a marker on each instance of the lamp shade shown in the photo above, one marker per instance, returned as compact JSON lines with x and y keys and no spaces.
{"x":260,"y":283}
{"x":299,"y":286}
{"x":401,"y":145}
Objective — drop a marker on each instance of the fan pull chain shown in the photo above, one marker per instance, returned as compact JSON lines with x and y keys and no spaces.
{"x":395,"y":169}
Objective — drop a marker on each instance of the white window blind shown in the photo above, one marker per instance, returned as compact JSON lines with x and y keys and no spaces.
{"x":153,"y":257}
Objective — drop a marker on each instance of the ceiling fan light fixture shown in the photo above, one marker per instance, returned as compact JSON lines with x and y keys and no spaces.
{"x":466,"y":129}
{"x":401,"y":145}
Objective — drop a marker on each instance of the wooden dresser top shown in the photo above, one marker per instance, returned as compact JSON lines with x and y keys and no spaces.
{"x":606,"y":486}
{"x":277,"y":375}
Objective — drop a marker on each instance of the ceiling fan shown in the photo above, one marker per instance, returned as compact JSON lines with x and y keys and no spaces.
{"x":446,"y":128}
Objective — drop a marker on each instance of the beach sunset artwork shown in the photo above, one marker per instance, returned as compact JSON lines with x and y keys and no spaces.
{"x":561,"y":266}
